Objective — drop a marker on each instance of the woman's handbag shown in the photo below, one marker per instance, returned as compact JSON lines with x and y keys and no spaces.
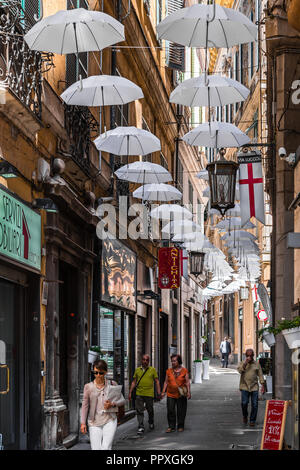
{"x":183,"y":391}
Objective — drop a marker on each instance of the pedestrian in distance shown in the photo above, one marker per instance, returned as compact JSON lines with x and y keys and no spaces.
{"x":100,"y":411}
{"x":225,"y":350}
{"x":178,"y":387}
{"x":251,"y":373}
{"x":142,"y":392}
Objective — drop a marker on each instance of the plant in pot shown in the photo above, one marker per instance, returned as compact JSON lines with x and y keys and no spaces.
{"x":94,"y":354}
{"x":291,"y":331}
{"x":198,"y":371}
{"x":204,"y":339}
{"x":205,"y":368}
{"x":267,"y":334}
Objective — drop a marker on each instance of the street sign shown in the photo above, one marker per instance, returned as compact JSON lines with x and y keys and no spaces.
{"x":169,"y":268}
{"x":273,"y":432}
{"x":20,"y":231}
{"x":262,"y":316}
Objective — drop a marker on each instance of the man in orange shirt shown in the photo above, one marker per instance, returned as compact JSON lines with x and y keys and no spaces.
{"x":177,"y":384}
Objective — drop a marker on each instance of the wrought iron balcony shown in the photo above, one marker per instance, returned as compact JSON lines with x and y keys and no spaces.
{"x":80,"y":124}
{"x":20,"y":68}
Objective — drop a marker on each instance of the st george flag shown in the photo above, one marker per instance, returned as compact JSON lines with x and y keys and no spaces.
{"x":251,"y":187}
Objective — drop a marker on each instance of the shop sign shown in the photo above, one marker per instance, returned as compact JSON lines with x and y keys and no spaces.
{"x":274,"y":424}
{"x":118,"y":276}
{"x":169,"y":268}
{"x":20,"y":231}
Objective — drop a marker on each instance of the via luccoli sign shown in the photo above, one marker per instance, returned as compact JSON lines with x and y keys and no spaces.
{"x":20,"y":231}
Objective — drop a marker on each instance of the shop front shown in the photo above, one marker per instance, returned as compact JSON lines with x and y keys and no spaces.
{"x":116,"y":306}
{"x":20,"y":364}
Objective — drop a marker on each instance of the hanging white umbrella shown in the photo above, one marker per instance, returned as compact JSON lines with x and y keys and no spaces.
{"x":234,"y":212}
{"x":233,"y":223}
{"x":189,"y":237}
{"x":128,"y":141}
{"x":75,"y":31}
{"x":102,"y":90}
{"x":166,"y":211}
{"x":209,"y":90}
{"x":157,"y":192}
{"x":192,"y":27}
{"x":216,"y":135}
{"x":181,"y":226}
{"x":144,"y":173}
{"x":239,"y":235}
{"x":203,"y":174}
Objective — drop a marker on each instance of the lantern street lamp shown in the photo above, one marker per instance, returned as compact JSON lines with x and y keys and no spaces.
{"x":196,"y":262}
{"x":244,"y":293}
{"x":222,"y":181}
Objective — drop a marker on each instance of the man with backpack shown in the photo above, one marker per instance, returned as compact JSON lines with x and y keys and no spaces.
{"x":142,"y":391}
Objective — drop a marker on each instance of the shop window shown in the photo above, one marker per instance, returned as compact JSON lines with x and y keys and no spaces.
{"x":106,"y":338}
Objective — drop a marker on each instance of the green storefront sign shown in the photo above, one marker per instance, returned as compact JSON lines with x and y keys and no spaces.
{"x":20,"y":231}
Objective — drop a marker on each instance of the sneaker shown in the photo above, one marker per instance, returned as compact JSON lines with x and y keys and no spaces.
{"x":151,"y":426}
{"x":141,"y":430}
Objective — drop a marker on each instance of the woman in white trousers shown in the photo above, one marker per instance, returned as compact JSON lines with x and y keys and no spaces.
{"x":100,"y":412}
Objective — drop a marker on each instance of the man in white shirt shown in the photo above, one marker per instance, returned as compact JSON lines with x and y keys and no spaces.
{"x":225,"y":350}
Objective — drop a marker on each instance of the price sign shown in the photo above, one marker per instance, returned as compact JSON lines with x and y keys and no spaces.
{"x":275,"y":417}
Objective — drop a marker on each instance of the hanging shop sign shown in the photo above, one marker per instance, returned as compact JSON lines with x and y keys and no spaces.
{"x":274,"y":424}
{"x":251,"y":187}
{"x":20,"y":231}
{"x":118,"y":276}
{"x":169,"y":268}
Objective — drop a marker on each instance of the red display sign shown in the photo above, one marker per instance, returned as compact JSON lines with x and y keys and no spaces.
{"x":272,"y":438}
{"x":169,"y":268}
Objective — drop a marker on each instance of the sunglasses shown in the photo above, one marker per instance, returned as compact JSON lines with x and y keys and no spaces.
{"x":96,"y":372}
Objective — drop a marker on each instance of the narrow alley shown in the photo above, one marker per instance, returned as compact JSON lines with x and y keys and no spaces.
{"x":213,"y":422}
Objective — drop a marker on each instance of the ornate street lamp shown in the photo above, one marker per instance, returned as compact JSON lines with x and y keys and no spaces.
{"x":244,"y":293}
{"x":222,"y":181}
{"x":196,"y":262}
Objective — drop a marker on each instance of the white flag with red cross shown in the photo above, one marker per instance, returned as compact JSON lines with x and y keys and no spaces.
{"x":251,"y":187}
{"x":255,"y":296}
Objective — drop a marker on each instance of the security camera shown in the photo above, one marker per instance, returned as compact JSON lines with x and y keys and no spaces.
{"x":282,"y":152}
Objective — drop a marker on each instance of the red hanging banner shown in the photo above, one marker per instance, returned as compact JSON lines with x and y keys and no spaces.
{"x":272,"y":438}
{"x":169,"y":268}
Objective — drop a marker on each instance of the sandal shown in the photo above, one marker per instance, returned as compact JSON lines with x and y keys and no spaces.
{"x":170,"y":430}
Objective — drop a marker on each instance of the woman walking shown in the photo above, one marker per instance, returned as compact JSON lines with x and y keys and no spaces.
{"x":177,"y":384}
{"x":101,"y":413}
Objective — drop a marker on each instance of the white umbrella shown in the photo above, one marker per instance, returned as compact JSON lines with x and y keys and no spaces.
{"x":192,"y":27}
{"x":239,"y":235}
{"x":75,"y":31}
{"x":216,"y":135}
{"x":188,"y":237}
{"x":209,"y":90}
{"x":143,"y":172}
{"x":102,"y":90}
{"x":157,"y":192}
{"x":181,"y":226}
{"x":233,"y":223}
{"x":203,"y":174}
{"x":166,"y":211}
{"x":235,"y":211}
{"x":128,"y":141}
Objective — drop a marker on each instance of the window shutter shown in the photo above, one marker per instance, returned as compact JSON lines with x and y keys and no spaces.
{"x":175,"y":52}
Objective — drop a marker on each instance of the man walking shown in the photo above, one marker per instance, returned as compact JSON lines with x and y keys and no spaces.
{"x":144,"y":379}
{"x":225,"y":350}
{"x":251,"y":372}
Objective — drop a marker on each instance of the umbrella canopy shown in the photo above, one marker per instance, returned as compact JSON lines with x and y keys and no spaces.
{"x":203,"y":174}
{"x":233,"y":223}
{"x":75,"y":31}
{"x":235,"y":211}
{"x":143,"y":172}
{"x":182,"y":226}
{"x":216,"y":135}
{"x":165,"y":211}
{"x":238,"y":235}
{"x":102,"y":90}
{"x":128,"y":141}
{"x":191,"y":27}
{"x":209,"y":90}
{"x":157,"y":192}
{"x":189,"y":237}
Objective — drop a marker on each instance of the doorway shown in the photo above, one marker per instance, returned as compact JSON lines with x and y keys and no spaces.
{"x":163,"y":347}
{"x":187,"y":343}
{"x":68,"y":346}
{"x":13,"y":409}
